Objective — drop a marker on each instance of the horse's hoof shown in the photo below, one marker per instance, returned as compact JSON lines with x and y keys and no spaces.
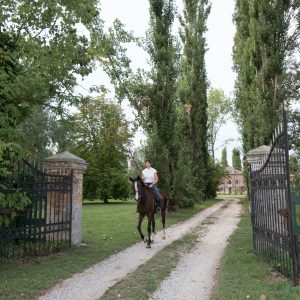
{"x":145,"y":241}
{"x":148,"y":246}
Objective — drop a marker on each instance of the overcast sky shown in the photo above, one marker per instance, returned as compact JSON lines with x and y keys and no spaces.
{"x":135,"y":15}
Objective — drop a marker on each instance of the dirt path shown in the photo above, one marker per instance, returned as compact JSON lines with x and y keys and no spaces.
{"x":194,"y":276}
{"x":94,"y":281}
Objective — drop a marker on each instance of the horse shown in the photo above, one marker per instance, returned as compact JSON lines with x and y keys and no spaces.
{"x":146,"y":207}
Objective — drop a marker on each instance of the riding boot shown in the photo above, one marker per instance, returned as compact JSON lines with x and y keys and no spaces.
{"x":158,"y":210}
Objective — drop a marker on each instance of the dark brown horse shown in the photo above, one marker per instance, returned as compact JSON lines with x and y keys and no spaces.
{"x":146,"y":207}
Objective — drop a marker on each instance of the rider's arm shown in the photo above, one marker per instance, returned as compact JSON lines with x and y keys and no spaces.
{"x":142,"y":177}
{"x":155,"y":178}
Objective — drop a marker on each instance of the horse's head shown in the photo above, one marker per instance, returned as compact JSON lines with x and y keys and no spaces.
{"x":137,"y":187}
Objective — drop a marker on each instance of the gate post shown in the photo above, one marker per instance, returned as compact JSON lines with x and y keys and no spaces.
{"x":67,"y":163}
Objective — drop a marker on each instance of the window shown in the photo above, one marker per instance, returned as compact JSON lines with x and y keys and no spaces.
{"x":229,"y":182}
{"x":237,"y":182}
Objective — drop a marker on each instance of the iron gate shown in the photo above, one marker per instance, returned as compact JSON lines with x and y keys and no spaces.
{"x":271,"y":210}
{"x":44,"y":225}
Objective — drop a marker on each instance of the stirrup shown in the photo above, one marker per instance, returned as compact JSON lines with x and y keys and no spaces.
{"x":158,"y":210}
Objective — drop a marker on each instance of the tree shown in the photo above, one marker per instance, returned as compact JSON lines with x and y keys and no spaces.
{"x":219,"y":108}
{"x":295,"y":171}
{"x":152,"y":93}
{"x":217,"y":174}
{"x":236,"y":159}
{"x":101,"y":137}
{"x":37,"y":133}
{"x":185,"y":192}
{"x":224,"y":161}
{"x":263,"y":41}
{"x":162,"y":97}
{"x":193,"y":87}
{"x":42,"y":52}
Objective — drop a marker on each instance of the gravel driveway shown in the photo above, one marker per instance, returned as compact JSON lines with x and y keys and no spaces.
{"x":93,"y":282}
{"x":194,"y":276}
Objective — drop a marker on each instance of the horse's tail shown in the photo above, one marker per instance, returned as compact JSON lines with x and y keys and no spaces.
{"x":166,"y":200}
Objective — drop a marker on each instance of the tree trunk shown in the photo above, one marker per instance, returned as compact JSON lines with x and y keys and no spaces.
{"x":105,"y":199}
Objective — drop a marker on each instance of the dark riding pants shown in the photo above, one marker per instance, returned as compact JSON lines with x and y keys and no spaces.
{"x":156,"y":192}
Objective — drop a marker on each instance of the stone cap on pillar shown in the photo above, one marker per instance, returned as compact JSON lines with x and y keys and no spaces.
{"x":68,"y":160}
{"x":255,"y":157}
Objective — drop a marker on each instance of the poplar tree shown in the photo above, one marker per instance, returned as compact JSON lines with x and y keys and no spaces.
{"x":162,"y":93}
{"x":224,"y":161}
{"x":194,"y":85}
{"x":261,"y":45}
{"x":236,"y":159}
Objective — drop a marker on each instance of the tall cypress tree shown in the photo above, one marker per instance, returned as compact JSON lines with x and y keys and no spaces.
{"x":194,"y":85}
{"x":224,"y":161}
{"x":260,"y":49}
{"x":162,"y":96}
{"x":236,"y":159}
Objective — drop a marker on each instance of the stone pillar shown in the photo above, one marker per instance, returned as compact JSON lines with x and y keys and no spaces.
{"x":66,"y":164}
{"x":256,"y":156}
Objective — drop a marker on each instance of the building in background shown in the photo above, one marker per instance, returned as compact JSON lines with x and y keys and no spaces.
{"x":234,"y":183}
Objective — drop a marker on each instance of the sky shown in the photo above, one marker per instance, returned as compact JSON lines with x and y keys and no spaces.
{"x":134,"y":14}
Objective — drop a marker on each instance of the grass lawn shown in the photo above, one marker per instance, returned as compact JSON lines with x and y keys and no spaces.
{"x":225,"y":196}
{"x":106,"y":229}
{"x":243,"y":276}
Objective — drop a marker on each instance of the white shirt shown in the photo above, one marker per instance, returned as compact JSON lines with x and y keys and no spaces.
{"x":149,"y":174}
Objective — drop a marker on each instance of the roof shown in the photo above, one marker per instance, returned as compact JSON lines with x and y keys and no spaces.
{"x":232,"y":170}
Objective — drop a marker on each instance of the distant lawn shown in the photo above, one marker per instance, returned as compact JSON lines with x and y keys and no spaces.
{"x":243,"y":276}
{"x":107,"y":229}
{"x":226,"y":196}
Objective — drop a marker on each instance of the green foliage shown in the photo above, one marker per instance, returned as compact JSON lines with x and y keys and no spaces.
{"x":38,"y":133}
{"x":193,"y":86}
{"x":219,"y":109}
{"x":217,"y":173}
{"x":119,"y":187}
{"x":101,"y":136}
{"x":295,"y":172}
{"x":137,"y":161}
{"x":16,"y":201}
{"x":185,"y":193}
{"x":263,"y":41}
{"x":224,"y":161}
{"x":162,"y":97}
{"x":151,"y":93}
{"x":41,"y":53}
{"x":236,"y":159}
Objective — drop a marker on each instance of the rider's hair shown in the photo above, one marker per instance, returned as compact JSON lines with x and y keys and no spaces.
{"x":148,"y":160}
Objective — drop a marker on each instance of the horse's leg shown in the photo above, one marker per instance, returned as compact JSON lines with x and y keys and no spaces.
{"x":149,"y":232}
{"x":139,"y":226}
{"x":163,"y":218}
{"x":153,"y":229}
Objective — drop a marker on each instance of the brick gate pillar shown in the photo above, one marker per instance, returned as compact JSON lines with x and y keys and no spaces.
{"x":67,"y":163}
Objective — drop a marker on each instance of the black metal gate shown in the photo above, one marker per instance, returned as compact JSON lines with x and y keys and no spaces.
{"x":271,"y":214}
{"x":44,"y":225}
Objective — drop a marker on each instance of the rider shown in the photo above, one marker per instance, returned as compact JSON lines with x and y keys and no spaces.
{"x":149,"y":176}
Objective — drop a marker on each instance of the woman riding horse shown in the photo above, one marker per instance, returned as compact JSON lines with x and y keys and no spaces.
{"x":145,"y":206}
{"x":150,"y":178}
